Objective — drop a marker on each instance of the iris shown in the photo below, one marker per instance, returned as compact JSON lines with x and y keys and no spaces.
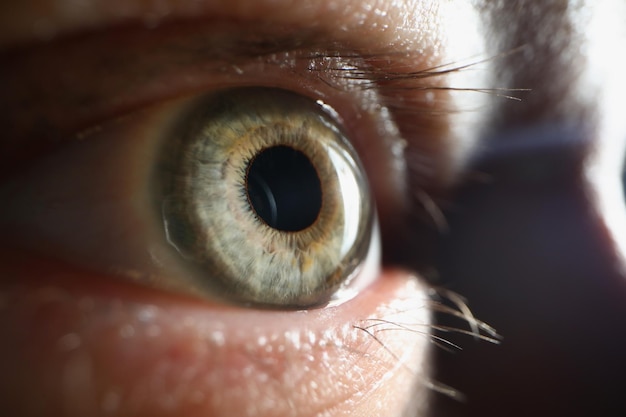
{"x":264,"y":197}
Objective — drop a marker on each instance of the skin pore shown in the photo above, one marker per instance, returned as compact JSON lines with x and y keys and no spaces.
{"x":88,"y":85}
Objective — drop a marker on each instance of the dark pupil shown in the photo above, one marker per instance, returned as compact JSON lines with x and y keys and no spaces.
{"x":284,"y":189}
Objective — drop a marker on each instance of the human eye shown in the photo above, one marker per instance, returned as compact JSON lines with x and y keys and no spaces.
{"x":247,"y":194}
{"x":109,"y":298}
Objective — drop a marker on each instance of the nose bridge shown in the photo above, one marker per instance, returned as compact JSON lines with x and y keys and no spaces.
{"x":529,"y":250}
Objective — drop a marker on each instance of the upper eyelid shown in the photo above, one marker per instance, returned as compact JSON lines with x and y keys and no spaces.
{"x":143,"y":57}
{"x":81,"y":88}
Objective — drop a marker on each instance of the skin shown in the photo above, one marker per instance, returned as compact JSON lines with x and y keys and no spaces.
{"x":535,"y":253}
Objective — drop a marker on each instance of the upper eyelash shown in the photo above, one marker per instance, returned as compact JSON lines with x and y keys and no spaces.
{"x":402,"y":81}
{"x":425,"y":206}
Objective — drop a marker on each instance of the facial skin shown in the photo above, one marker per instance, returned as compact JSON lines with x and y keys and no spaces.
{"x":88,"y":84}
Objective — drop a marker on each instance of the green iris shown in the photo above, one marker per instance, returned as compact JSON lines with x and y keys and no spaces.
{"x":265,"y":198}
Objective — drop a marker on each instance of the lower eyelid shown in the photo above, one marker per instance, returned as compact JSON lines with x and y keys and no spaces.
{"x":124,"y":345}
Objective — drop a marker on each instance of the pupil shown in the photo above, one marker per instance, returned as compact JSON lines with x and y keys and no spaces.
{"x":284,"y":189}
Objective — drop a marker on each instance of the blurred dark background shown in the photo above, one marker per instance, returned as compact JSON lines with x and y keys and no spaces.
{"x":530,"y":254}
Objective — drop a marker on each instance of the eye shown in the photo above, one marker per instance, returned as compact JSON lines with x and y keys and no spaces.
{"x":199,"y":289}
{"x":261,"y":189}
{"x":249,"y":195}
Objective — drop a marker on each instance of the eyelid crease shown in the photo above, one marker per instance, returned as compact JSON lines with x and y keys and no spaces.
{"x":68,"y":99}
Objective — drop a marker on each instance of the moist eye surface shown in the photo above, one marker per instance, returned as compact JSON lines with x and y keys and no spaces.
{"x":264,"y":198}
